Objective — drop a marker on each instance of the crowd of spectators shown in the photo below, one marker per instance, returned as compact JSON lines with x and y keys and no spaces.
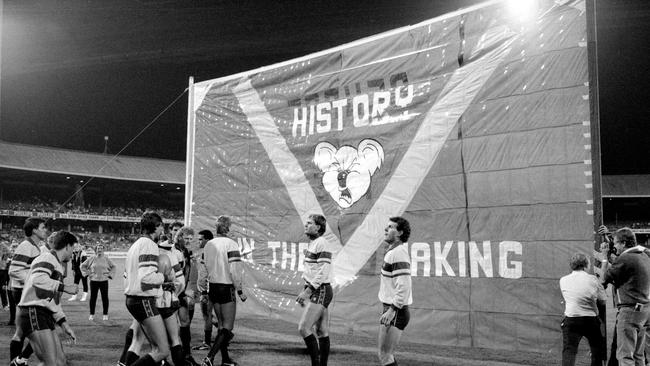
{"x":38,"y":204}
{"x":88,"y":239}
{"x":631,"y":224}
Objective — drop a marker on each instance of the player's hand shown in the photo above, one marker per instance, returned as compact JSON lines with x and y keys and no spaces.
{"x":70,"y":289}
{"x":72,"y":338}
{"x":169,"y":286}
{"x":190,"y":301}
{"x":387,"y":317}
{"x":303,"y":296}
{"x":602,"y":230}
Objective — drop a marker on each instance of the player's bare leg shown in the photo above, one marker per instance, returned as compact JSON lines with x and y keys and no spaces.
{"x":154,"y":330}
{"x":44,"y":344}
{"x":173,"y":335}
{"x":226,"y":317}
{"x":313,"y":312}
{"x":388,"y":339}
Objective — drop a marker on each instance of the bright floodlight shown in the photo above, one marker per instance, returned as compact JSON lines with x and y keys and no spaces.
{"x":522,"y":10}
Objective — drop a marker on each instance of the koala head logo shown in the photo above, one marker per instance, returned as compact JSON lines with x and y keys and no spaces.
{"x":347,"y":171}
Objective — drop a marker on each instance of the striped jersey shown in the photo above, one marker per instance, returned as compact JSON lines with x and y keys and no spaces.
{"x":167,"y":297}
{"x":44,"y":285}
{"x":183,"y":256}
{"x":23,"y":257}
{"x":141,"y":269}
{"x":395,"y":285}
{"x":222,"y":261}
{"x":318,"y":263}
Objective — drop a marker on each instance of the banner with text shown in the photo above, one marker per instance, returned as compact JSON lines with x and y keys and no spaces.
{"x":474,"y":126}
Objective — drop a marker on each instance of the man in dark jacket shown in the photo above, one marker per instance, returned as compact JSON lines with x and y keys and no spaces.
{"x":78,"y":257}
{"x":630,"y":275}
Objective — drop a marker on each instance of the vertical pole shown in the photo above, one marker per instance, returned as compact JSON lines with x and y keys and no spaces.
{"x":594,"y":116}
{"x":189,"y":154}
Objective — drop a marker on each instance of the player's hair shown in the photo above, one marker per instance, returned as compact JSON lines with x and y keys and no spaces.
{"x":62,"y":239}
{"x":578,"y":262}
{"x":403,"y":226}
{"x":32,"y":224}
{"x":223,"y":225}
{"x":149,"y":222}
{"x":626,"y":236}
{"x":184,"y":231}
{"x":320,"y":221}
{"x":176,"y":224}
{"x":207,"y":234}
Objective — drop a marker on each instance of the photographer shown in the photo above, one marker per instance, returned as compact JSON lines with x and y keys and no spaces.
{"x":630,"y":275}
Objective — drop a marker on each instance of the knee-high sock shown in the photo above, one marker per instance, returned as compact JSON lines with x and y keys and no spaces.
{"x":222,"y":337}
{"x":15,"y":347}
{"x":177,"y":355}
{"x":312,"y":347}
{"x":324,"y":346}
{"x":131,"y":357}
{"x":27,"y":351}
{"x":207,"y":335}
{"x":145,"y":360}
{"x":127,"y":343}
{"x":225,"y":357}
{"x":186,"y":338}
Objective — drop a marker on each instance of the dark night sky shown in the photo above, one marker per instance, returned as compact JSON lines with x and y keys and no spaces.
{"x":73,"y":71}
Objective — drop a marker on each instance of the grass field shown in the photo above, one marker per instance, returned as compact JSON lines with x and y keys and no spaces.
{"x":261,"y":341}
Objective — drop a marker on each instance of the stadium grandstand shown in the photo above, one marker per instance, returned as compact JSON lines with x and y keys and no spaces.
{"x":98,"y":197}
{"x":626,"y":199}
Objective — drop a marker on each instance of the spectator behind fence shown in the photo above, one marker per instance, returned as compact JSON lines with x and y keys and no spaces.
{"x":582,"y":291}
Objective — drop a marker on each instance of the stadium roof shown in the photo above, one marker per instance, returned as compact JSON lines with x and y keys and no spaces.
{"x":51,"y":160}
{"x":633,"y":185}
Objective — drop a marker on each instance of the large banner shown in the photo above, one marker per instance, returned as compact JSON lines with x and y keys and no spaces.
{"x":474,"y":126}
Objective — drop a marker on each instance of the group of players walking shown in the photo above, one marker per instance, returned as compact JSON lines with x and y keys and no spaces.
{"x":163,"y":279}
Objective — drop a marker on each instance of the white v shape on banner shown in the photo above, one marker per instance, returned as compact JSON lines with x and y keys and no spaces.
{"x":438,"y":122}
